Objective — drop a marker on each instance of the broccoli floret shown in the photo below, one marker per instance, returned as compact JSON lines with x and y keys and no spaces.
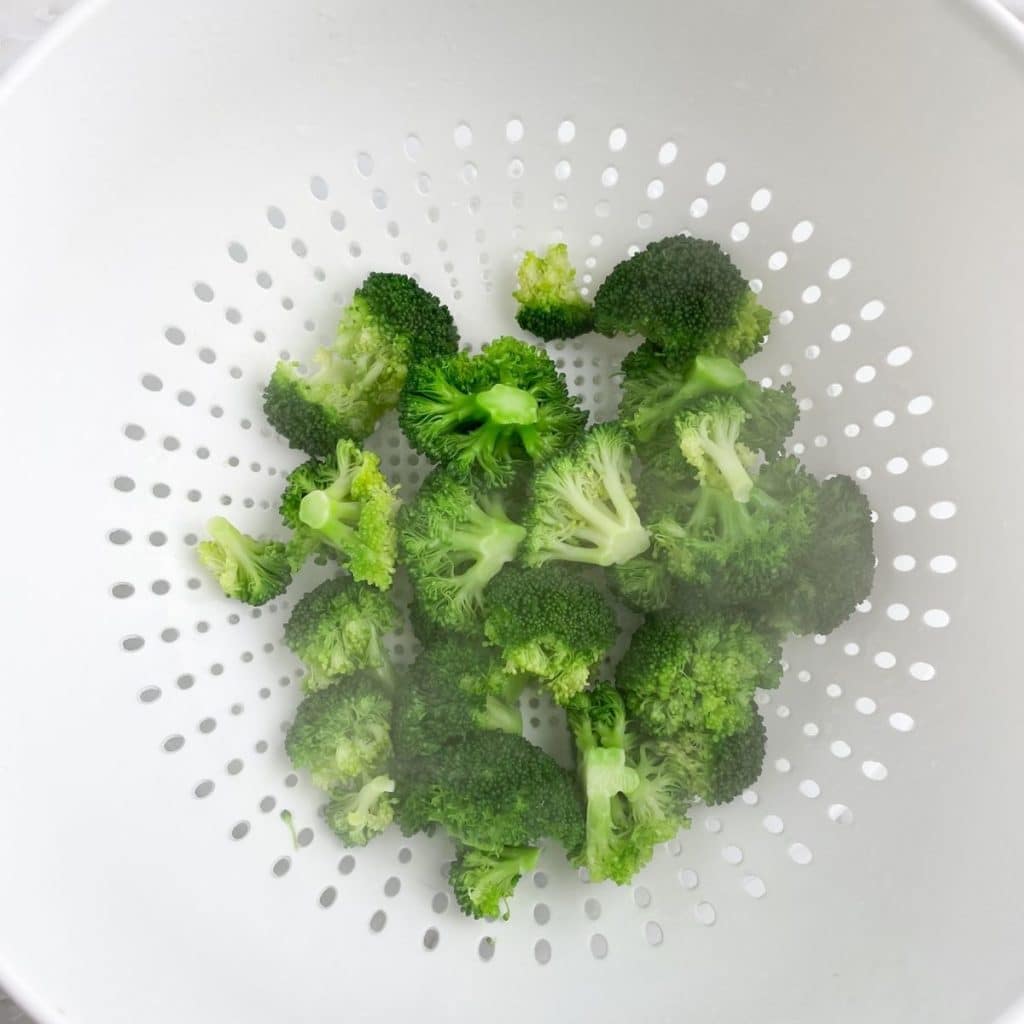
{"x":483,"y":880}
{"x":344,"y":504}
{"x":357,"y":815}
{"x":493,"y":789}
{"x":836,"y":570}
{"x":730,"y":550}
{"x":718,"y":770}
{"x":342,"y":734}
{"x":582,"y":506}
{"x":454,"y":686}
{"x":656,"y":387}
{"x":490,"y":412}
{"x":338,"y":628}
{"x":550,"y":305}
{"x":455,"y":537}
{"x":549,"y":624}
{"x":695,"y":673}
{"x":248,"y":569}
{"x":634,"y":797}
{"x":390,"y":324}
{"x":686,"y":296}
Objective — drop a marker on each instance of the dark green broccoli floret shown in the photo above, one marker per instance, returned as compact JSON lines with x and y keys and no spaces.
{"x":695,"y":673}
{"x":455,"y":537}
{"x":582,"y":507}
{"x":483,"y":880}
{"x":687,"y":297}
{"x":550,"y":624}
{"x":490,"y":412}
{"x":550,"y":305}
{"x":344,"y":504}
{"x":454,"y":686}
{"x":342,"y":734}
{"x":718,"y":770}
{"x":836,"y":569}
{"x":390,"y":324}
{"x":493,"y":789}
{"x":248,"y":569}
{"x":357,"y":815}
{"x":338,"y":628}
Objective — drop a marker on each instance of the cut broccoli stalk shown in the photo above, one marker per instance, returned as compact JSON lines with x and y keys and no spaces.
{"x":508,"y":405}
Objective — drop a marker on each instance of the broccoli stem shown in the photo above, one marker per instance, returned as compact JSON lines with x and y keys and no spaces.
{"x":501,"y":716}
{"x":234,"y":543}
{"x":331,"y":517}
{"x":368,"y":795}
{"x":721,"y":449}
{"x":508,"y":405}
{"x":615,"y":540}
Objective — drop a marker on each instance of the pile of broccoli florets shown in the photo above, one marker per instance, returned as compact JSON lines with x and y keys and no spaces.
{"x":527,"y":548}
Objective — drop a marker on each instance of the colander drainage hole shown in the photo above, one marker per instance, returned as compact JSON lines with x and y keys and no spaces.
{"x":378,"y":921}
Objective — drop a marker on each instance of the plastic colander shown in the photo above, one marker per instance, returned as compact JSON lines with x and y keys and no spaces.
{"x":190,"y":191}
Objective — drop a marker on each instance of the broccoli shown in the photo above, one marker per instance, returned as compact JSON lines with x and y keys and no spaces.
{"x":644,"y":584}
{"x":490,"y":790}
{"x":251,"y":570}
{"x":656,"y":388}
{"x":490,"y":412}
{"x":636,"y":795}
{"x":685,"y":296}
{"x":357,"y":815}
{"x":682,"y":673}
{"x":342,"y":734}
{"x":718,"y":770}
{"x":550,"y":306}
{"x":390,"y":324}
{"x":344,"y":503}
{"x":733,"y":536}
{"x":549,"y":624}
{"x":454,"y":686}
{"x":836,"y":569}
{"x":582,"y":507}
{"x":454,"y":538}
{"x":483,"y":880}
{"x":338,"y":628}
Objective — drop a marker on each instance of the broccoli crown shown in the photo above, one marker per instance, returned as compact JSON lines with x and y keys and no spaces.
{"x":489,"y":412}
{"x":390,"y":323}
{"x":454,"y":537}
{"x":728,"y":552}
{"x":493,"y":789}
{"x":659,"y":803}
{"x":772,"y":413}
{"x":338,"y":628}
{"x":549,"y":624}
{"x":550,"y":305}
{"x":718,"y":770}
{"x":483,"y":880}
{"x":695,"y":673}
{"x":837,"y":568}
{"x":251,"y":570}
{"x":582,"y":505}
{"x":357,"y":815}
{"x":341,"y":734}
{"x":344,"y":504}
{"x":687,"y":297}
{"x":454,"y":686}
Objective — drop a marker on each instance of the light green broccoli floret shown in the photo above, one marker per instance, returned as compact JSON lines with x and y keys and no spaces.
{"x":248,"y":569}
{"x":550,"y":305}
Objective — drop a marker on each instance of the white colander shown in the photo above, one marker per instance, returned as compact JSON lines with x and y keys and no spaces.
{"x":189,"y":191}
